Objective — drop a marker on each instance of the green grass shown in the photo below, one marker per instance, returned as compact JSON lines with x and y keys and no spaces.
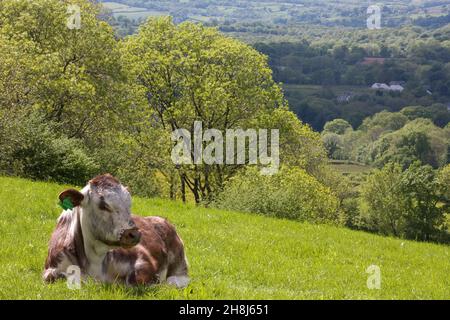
{"x":232,"y":255}
{"x":119,"y":9}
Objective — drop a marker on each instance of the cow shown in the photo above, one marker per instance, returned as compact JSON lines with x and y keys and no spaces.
{"x":98,"y":234}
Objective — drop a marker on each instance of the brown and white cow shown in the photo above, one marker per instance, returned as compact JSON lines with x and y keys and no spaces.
{"x":108,"y":243}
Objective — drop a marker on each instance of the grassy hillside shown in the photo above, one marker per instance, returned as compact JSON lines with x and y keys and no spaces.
{"x":232,"y":255}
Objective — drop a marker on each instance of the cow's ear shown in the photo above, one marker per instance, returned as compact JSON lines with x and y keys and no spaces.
{"x":70,"y":198}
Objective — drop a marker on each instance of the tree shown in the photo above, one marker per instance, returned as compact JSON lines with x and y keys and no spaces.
{"x":191,"y":73}
{"x":338,"y":126}
{"x":392,"y":137}
{"x":444,"y":180}
{"x":418,"y":140}
{"x":424,"y":214}
{"x":299,"y":145}
{"x":71,"y":76}
{"x":387,"y":121}
{"x":382,"y":202}
{"x":333,"y":144}
{"x":436,"y":112}
{"x":404,"y":203}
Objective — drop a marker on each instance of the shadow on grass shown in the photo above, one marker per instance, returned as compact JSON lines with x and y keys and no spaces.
{"x":140,"y":291}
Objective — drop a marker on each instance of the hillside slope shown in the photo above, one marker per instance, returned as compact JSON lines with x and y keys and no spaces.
{"x":232,"y":255}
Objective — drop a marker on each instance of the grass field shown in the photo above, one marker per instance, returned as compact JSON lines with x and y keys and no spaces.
{"x":232,"y":255}
{"x":119,"y":9}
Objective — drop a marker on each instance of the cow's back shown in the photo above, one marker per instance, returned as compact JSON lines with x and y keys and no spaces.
{"x":160,"y":237}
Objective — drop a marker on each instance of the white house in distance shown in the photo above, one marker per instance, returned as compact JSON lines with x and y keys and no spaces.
{"x":384,"y":86}
{"x":396,"y":87}
{"x":380,"y":86}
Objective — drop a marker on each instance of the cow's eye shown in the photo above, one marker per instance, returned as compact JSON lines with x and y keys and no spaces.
{"x":103,"y":206}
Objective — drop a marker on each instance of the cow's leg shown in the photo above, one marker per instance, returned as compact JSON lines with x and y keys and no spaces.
{"x":52,"y":274}
{"x":144,"y":273}
{"x":178,"y":269}
{"x":56,"y":267}
{"x":179,"y":281}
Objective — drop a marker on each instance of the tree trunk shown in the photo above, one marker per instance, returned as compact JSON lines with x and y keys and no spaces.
{"x":183,"y":189}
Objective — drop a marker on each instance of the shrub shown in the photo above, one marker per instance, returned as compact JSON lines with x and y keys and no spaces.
{"x":31,"y":149}
{"x":291,"y":194}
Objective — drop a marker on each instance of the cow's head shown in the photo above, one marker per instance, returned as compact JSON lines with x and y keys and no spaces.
{"x":106,"y":205}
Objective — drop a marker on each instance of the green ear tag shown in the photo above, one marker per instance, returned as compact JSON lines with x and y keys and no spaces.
{"x":66,"y":204}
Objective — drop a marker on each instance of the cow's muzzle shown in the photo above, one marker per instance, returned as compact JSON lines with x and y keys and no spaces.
{"x":130,"y":238}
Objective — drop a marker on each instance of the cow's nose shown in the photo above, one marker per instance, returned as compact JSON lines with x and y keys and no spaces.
{"x":130,"y":237}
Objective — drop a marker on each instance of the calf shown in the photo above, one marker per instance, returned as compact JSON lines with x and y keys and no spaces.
{"x":102,"y":238}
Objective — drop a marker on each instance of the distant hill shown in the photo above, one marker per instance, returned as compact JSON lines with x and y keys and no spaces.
{"x":326,"y":44}
{"x":233,"y":15}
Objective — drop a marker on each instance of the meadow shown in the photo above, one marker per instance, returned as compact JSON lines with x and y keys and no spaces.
{"x":119,"y":9}
{"x":232,"y":255}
